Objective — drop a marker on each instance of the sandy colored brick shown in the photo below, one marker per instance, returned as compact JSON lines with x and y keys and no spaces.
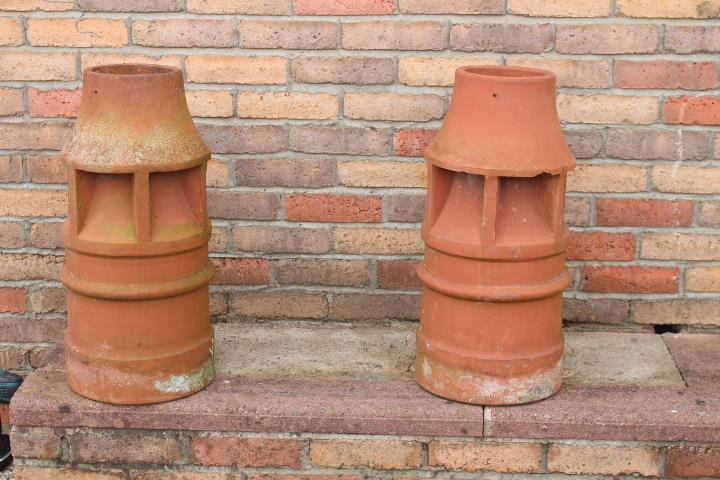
{"x":577,"y":211}
{"x":295,"y":105}
{"x":333,"y":208}
{"x":607,"y":109}
{"x":11,"y":169}
{"x":604,"y":459}
{"x":33,"y":136}
{"x":124,"y":446}
{"x":709,"y":214}
{"x":397,"y":35}
{"x":640,"y":212}
{"x":368,"y":173}
{"x":243,"y":205}
{"x":46,"y":169}
{"x":355,"y":70}
{"x":501,"y":37}
{"x":10,"y":32}
{"x":244,"y":138}
{"x":209,"y":103}
{"x":560,"y":8}
{"x":241,"y":271}
{"x":179,"y":475}
{"x":279,"y":304}
{"x":454,"y":7}
{"x":12,"y":300}
{"x":47,"y":300}
{"x":477,"y":456}
{"x":669,"y":8}
{"x":236,"y":69}
{"x":666,"y":74}
{"x":28,"y":266}
{"x":39,"y":443}
{"x":130,"y":5}
{"x":54,"y":103}
{"x":677,"y":312}
{"x":11,"y":101}
{"x":607,"y":178}
{"x":36,"y":5}
{"x":585,"y":143}
{"x":46,"y":235}
{"x":93,"y":59}
{"x":33,"y":202}
{"x":436,"y":71}
{"x":282,"y":172}
{"x":379,"y":454}
{"x":26,"y":472}
{"x":405,"y":208}
{"x":74,"y":32}
{"x":312,"y":35}
{"x":686,"y":179}
{"x":218,"y":239}
{"x":607,"y":39}
{"x":680,"y":246}
{"x":305,"y":271}
{"x":692,"y":110}
{"x":340,"y":140}
{"x":240,"y":7}
{"x":383,"y":241}
{"x":183,"y":33}
{"x":12,"y":234}
{"x":692,"y":39}
{"x":344,"y":7}
{"x":394,"y":106}
{"x":647,"y":144}
{"x":281,"y":239}
{"x":218,"y":173}
{"x":702,"y":279}
{"x":570,"y":73}
{"x":37,"y":66}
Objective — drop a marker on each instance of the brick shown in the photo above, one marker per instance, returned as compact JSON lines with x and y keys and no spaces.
{"x":28,"y":266}
{"x":501,"y":37}
{"x":604,"y":459}
{"x":236,"y":69}
{"x":124,"y":446}
{"x":596,"y":310}
{"x":607,"y":178}
{"x":478,"y":456}
{"x":32,"y":203}
{"x":244,"y":138}
{"x":702,"y":279}
{"x":622,"y":212}
{"x":436,"y":71}
{"x":130,"y":6}
{"x":637,"y":144}
{"x":178,"y":475}
{"x":11,"y":102}
{"x":217,"y":174}
{"x":11,"y":168}
{"x":690,"y":461}
{"x":607,"y":39}
{"x":333,"y":208}
{"x":73,"y":32}
{"x":453,"y":7}
{"x":280,"y":172}
{"x":46,"y":235}
{"x":240,"y":7}
{"x":218,"y":239}
{"x":666,"y":74}
{"x":585,"y":143}
{"x":355,"y":70}
{"x":10,"y":32}
{"x":20,"y":329}
{"x":33,"y":136}
{"x":411,"y":142}
{"x":680,"y":246}
{"x":684,"y":9}
{"x":692,"y":110}
{"x":405,"y":208}
{"x":12,"y":357}
{"x":183,"y":33}
{"x":12,"y":300}
{"x":559,"y":8}
{"x":371,"y":306}
{"x":577,"y":211}
{"x":344,"y":7}
{"x":37,"y":66}
{"x":218,"y":305}
{"x":368,"y":173}
{"x":709,"y":214}
{"x":209,"y":103}
{"x":677,"y":312}
{"x":632,"y":279}
{"x":394,"y":106}
{"x":395,"y":35}
{"x":243,"y":206}
{"x":400,"y":274}
{"x":382,"y":241}
{"x":296,"y":105}
{"x":25,"y":472}
{"x":47,"y":300}
{"x":304,"y":271}
{"x":692,"y":39}
{"x":685,"y":179}
{"x":54,"y":103}
{"x":277,"y":476}
{"x":46,"y":169}
{"x":291,"y":35}
{"x":37,"y":442}
{"x":241,"y":271}
{"x":388,"y":454}
{"x":93,"y":59}
{"x":281,"y":239}
{"x":601,"y":246}
{"x":12,"y":235}
{"x":607,"y":108}
{"x":36,"y":5}
{"x":340,"y":140}
{"x":571,"y":73}
{"x":279,"y":304}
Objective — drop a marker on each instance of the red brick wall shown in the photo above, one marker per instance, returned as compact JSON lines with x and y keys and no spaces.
{"x":317,"y":111}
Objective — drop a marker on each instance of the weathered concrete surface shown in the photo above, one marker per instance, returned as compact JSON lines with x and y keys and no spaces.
{"x":697,"y":356}
{"x":604,"y":359}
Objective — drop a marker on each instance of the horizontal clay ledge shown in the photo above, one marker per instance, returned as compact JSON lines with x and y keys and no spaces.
{"x":657,"y":389}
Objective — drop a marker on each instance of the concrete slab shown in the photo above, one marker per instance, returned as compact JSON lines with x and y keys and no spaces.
{"x":697,"y":356}
{"x":604,"y":359}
